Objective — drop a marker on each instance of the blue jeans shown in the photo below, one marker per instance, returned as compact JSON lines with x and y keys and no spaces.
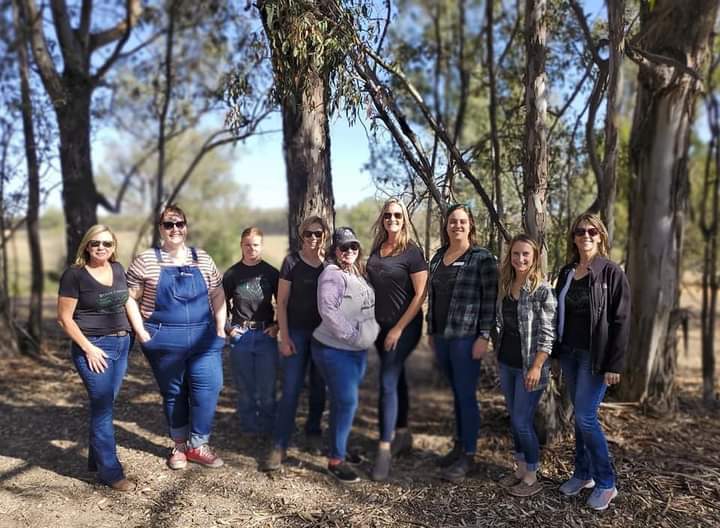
{"x":343,"y":371}
{"x":187,"y":362}
{"x":587,"y":390}
{"x":254,"y":360}
{"x":294,"y":368}
{"x":393,"y":394}
{"x":102,"y":389}
{"x":521,"y":406}
{"x":454,"y":356}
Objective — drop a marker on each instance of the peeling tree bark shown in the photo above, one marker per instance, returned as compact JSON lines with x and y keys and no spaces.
{"x":677,"y":32}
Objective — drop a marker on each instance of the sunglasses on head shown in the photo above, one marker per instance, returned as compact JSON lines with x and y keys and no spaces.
{"x":315,"y":234}
{"x":397,"y":215}
{"x":351,"y":246}
{"x":98,"y":243}
{"x":592,"y":231}
{"x":169,"y":225}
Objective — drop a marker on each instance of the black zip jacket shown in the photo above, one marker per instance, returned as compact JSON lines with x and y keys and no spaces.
{"x":609,"y":313}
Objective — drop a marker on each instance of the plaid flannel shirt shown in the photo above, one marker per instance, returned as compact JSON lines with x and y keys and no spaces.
{"x":472,"y":305}
{"x":536,"y":326}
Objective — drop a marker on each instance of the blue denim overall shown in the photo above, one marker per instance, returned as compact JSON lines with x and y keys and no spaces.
{"x":185,"y":351}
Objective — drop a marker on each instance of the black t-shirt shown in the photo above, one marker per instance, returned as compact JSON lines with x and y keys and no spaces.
{"x":302,"y":310}
{"x":577,"y":314}
{"x":443,"y":283}
{"x":249,"y":291}
{"x":390,"y":277}
{"x":510,"y":353}
{"x":100,"y":309}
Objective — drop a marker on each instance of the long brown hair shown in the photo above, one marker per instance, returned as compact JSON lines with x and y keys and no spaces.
{"x":82,"y":257}
{"x":535,"y":275}
{"x":471,"y":220}
{"x":573,"y":255}
{"x":380,"y":234}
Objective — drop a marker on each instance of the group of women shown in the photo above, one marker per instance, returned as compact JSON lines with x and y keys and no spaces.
{"x":330,"y":307}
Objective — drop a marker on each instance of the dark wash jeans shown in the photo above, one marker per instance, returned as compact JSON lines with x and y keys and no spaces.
{"x":454,"y":356}
{"x":294,"y":368}
{"x":587,"y":390}
{"x":393,"y":403}
{"x":102,"y":389}
{"x":521,"y":405}
{"x":343,"y":371}
{"x":186,"y":360}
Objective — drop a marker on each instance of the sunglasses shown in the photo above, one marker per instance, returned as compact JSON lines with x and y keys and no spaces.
{"x":389,"y":216}
{"x":312,"y":234}
{"x":352,"y":246}
{"x":180,"y":224}
{"x":103,"y":243}
{"x":592,"y":231}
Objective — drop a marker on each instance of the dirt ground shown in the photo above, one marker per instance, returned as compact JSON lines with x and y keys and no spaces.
{"x":669,"y":469}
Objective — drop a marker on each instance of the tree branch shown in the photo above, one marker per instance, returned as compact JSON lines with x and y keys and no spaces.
{"x":41,"y":53}
{"x":72,"y":53}
{"x":121,"y":32}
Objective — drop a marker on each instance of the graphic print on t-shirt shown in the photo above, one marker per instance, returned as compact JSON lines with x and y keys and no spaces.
{"x":112,"y":301}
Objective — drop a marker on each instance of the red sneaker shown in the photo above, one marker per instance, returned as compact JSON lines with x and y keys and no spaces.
{"x":177,"y":458}
{"x":204,"y":455}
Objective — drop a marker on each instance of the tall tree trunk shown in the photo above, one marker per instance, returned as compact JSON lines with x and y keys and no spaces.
{"x":494,"y":133}
{"x":79,"y":194}
{"x":678,"y":30}
{"x":33,"y":207}
{"x":306,"y":146}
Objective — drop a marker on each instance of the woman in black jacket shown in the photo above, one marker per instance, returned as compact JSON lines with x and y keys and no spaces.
{"x":593,"y":328}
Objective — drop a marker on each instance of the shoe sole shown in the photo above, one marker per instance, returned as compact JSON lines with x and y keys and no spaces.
{"x":177,"y":465}
{"x":341,"y":481}
{"x":211,"y":466}
{"x":603,"y":508}
{"x":528,"y":491}
{"x":576,"y":493}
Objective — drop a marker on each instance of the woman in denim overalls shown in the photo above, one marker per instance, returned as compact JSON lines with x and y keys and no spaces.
{"x":183,"y":336}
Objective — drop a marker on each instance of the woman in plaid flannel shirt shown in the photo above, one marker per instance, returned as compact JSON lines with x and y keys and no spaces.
{"x":525,"y":335}
{"x":461,"y":313}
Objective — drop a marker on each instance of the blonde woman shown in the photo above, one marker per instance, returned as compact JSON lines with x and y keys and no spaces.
{"x":526,"y":332}
{"x":93,"y":310}
{"x":398,"y":272}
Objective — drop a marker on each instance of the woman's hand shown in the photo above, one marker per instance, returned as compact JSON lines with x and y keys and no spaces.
{"x":143,"y":336}
{"x":286,"y":347}
{"x":392,"y":337}
{"x":532,"y":378}
{"x":96,"y":359}
{"x":272,"y":330}
{"x":611,"y":378}
{"x":480,"y":347}
{"x":221,"y":332}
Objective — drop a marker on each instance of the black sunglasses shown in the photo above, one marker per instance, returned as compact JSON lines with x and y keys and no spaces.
{"x":307,"y":234}
{"x":396,"y":215}
{"x":352,"y":246}
{"x":98,"y":243}
{"x":592,"y":231}
{"x":169,"y":225}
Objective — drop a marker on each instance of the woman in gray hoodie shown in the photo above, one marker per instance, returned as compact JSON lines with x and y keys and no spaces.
{"x":346,"y":303}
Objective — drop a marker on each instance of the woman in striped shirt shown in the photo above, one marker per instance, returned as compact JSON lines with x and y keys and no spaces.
{"x":183,"y":307}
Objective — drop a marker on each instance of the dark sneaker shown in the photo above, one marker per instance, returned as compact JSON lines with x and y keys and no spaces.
{"x":353,"y":456}
{"x":204,"y":455}
{"x":314,"y":444}
{"x":274,"y":459}
{"x":383,"y":459}
{"x":451,"y":456}
{"x":509,"y":480}
{"x":575,"y":485}
{"x":343,"y":472}
{"x":123,"y":485}
{"x":177,"y":458}
{"x":600,"y":498}
{"x":523,"y":489}
{"x":402,"y":443}
{"x":459,"y":468}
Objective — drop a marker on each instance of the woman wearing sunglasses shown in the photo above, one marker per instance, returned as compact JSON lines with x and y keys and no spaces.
{"x":346,"y":303}
{"x":461,"y":314}
{"x":93,"y":310}
{"x":398,"y":272}
{"x":250,"y":285}
{"x":593,"y":330}
{"x":182,"y":336}
{"x":298,"y":316}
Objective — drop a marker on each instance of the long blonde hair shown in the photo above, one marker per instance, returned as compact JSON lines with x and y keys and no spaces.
{"x":573,"y":255}
{"x":380,"y":234}
{"x":535,"y":275}
{"x":82,"y":257}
